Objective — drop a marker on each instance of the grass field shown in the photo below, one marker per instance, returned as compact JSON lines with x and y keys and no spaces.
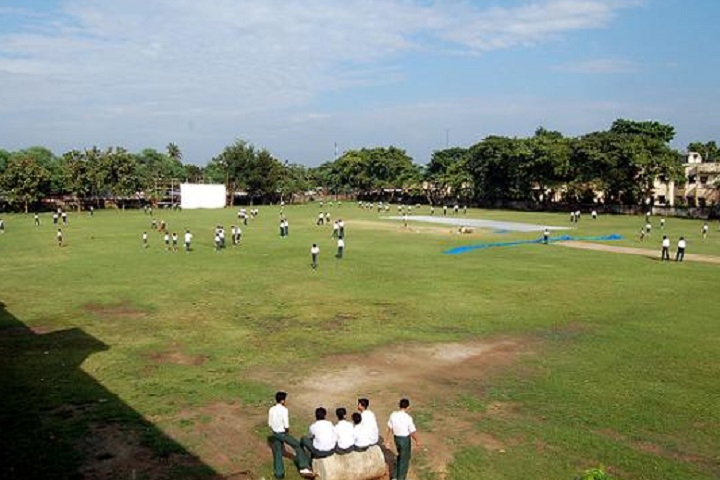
{"x":529,"y":361}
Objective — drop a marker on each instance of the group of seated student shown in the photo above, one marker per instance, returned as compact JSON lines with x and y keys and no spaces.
{"x":343,"y":437}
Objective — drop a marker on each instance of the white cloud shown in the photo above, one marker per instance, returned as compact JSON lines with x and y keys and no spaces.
{"x":118,"y":70}
{"x":600,"y":66}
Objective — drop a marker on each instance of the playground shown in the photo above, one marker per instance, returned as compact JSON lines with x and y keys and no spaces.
{"x":150,"y":363}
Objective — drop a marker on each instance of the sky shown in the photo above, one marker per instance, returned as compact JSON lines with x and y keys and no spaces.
{"x":300,"y":77}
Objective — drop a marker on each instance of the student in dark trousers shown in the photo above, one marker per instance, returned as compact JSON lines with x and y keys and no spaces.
{"x":279,"y":423}
{"x":546,"y":236}
{"x":680,"y":255}
{"x":314,"y":253}
{"x":402,"y":428}
{"x":665,"y":254}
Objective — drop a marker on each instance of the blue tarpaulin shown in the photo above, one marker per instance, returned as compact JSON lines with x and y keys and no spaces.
{"x":562,"y":238}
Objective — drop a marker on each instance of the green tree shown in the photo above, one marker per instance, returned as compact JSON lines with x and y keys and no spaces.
{"x":708,"y":150}
{"x":241,"y":166}
{"x":547,"y":167}
{"x":77,"y":176}
{"x":496,"y":166}
{"x":447,"y":175}
{"x":25,"y":180}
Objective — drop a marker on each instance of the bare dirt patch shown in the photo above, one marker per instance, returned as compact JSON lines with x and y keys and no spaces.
{"x":224,"y":436}
{"x":427,"y":374}
{"x":654,"y":254}
{"x":123,"y":309}
{"x":231,"y":438}
{"x":177,"y":358}
{"x":112,"y":452}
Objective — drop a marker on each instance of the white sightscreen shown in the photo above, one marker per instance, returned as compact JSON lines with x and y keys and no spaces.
{"x":198,"y":195}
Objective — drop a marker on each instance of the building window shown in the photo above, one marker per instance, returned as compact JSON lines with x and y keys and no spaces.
{"x":703,"y":180}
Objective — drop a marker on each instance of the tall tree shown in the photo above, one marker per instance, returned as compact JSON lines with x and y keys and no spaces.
{"x":241,"y":166}
{"x":709,"y":150}
{"x":25,"y":180}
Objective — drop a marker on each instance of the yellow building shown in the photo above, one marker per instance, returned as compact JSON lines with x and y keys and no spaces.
{"x":701,"y":187}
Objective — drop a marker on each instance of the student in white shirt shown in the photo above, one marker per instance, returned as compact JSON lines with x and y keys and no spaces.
{"x":314,"y":252}
{"x":322,"y":440}
{"x":360,"y":435}
{"x":145,"y":240}
{"x":188,"y":240}
{"x":665,"y":254}
{"x":344,"y":432}
{"x":402,"y":427}
{"x":680,"y":255}
{"x":369,"y":422}
{"x":279,"y":423}
{"x":340,"y":248}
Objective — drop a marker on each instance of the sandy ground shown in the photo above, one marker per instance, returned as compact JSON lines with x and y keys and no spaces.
{"x":654,"y":254}
{"x":231,"y":437}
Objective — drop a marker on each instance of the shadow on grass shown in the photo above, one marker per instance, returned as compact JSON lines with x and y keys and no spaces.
{"x":56,"y":421}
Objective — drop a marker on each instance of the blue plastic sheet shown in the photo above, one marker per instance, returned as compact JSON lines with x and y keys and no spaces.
{"x":561,"y":238}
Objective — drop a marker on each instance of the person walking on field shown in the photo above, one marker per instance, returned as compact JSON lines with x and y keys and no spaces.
{"x":314,"y":252}
{"x":340,"y":248}
{"x":705,"y":229}
{"x":402,"y":427}
{"x":188,"y":240}
{"x":279,"y":423}
{"x":665,"y":254}
{"x":59,"y":236}
{"x":680,"y":255}
{"x":37,"y":220}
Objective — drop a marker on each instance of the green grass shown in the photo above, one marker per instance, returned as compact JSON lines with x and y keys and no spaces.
{"x":626,"y":376}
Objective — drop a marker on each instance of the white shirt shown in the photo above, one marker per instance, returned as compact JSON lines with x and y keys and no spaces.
{"x":323,"y":433}
{"x":345,"y":434}
{"x":278,"y":419}
{"x":369,"y":422}
{"x":341,"y":243}
{"x":681,"y":243}
{"x":188,"y":237}
{"x":666,"y":243}
{"x":361,"y":436}
{"x":315,"y":250}
{"x":401,"y":424}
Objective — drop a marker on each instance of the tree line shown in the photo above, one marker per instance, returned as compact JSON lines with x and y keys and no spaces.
{"x":618,"y":165}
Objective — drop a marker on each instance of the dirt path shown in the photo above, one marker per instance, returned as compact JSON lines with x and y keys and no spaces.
{"x":431,"y":376}
{"x":655,"y":254}
{"x":229,"y":437}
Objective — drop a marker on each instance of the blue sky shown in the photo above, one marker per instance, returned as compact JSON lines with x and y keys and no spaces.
{"x":296,"y":77}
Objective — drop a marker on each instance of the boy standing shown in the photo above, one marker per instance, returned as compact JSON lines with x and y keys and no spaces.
{"x":402,"y":427}
{"x":314,"y":252}
{"x":59,"y":236}
{"x":665,"y":254}
{"x":279,"y":423}
{"x":341,"y":248}
{"x":188,"y":239}
{"x":680,"y":255}
{"x":145,"y":240}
